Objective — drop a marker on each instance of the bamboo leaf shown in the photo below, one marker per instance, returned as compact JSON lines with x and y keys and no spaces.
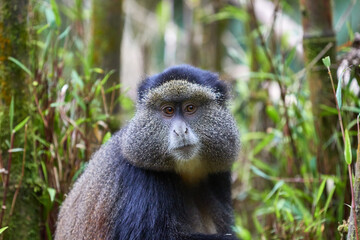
{"x":338,"y":93}
{"x":116,"y":87}
{"x":264,"y":143}
{"x":97,"y":70}
{"x":351,"y":109}
{"x":290,"y":56}
{"x":326,"y":61}
{"x":79,"y":100}
{"x":64,"y":33}
{"x":22,"y":66}
{"x":14,"y":150}
{"x":3,"y":229}
{"x":21,"y":124}
{"x":273,"y":113}
{"x":106,"y":137}
{"x":43,"y":166}
{"x":320,"y":192}
{"x":76,"y":80}
{"x":228,"y":12}
{"x":347,"y":151}
{"x":55,"y":10}
{"x":329,"y":198}
{"x":50,"y":17}
{"x":52,"y":193}
{"x":102,"y":82}
{"x":275,"y":188}
{"x":40,"y":30}
{"x":260,"y":173}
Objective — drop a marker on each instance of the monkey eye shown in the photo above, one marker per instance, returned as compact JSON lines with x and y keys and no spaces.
{"x":168,"y":111}
{"x":190,"y":108}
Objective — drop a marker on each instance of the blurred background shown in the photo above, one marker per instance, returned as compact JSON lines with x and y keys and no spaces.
{"x":68,"y":77}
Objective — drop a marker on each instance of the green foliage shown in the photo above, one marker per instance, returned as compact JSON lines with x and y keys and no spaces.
{"x":69,"y":118}
{"x":279,"y":193}
{"x":279,"y":198}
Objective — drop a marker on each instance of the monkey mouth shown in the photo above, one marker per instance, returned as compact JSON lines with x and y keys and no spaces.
{"x":185,"y":148}
{"x":185,"y":152}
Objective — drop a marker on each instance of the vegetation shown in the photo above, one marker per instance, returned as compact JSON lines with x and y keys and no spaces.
{"x":59,"y":101}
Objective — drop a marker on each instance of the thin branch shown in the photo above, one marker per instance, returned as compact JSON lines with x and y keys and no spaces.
{"x":276,"y":11}
{"x":358,"y":147}
{"x":3,"y":207}
{"x":22,"y":175}
{"x":337,"y":106}
{"x":2,"y":167}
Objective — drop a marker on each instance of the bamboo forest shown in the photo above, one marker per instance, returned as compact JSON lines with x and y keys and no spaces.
{"x":69,"y":77}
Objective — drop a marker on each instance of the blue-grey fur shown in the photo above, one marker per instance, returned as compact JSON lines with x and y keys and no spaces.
{"x":133,"y":188}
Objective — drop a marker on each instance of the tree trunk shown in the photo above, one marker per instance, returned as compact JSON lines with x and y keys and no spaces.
{"x":211,"y":49}
{"x":318,"y":34}
{"x":107,"y":30}
{"x":24,"y":223}
{"x":319,"y":41}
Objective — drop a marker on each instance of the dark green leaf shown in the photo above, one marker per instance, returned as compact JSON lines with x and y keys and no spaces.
{"x":320,"y":191}
{"x":22,"y":66}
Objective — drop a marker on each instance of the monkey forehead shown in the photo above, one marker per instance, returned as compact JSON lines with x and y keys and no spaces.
{"x":177,"y":91}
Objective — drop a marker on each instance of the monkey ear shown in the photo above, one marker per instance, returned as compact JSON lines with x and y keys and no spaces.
{"x":222,"y":92}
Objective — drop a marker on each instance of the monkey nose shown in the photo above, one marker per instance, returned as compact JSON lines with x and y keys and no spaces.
{"x":180,"y":130}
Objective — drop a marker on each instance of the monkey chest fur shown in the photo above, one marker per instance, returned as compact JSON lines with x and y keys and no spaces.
{"x":161,"y":200}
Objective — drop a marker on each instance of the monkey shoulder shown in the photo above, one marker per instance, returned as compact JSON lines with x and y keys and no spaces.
{"x":93,"y":196}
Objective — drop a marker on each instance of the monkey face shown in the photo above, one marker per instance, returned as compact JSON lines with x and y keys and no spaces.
{"x":180,"y":126}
